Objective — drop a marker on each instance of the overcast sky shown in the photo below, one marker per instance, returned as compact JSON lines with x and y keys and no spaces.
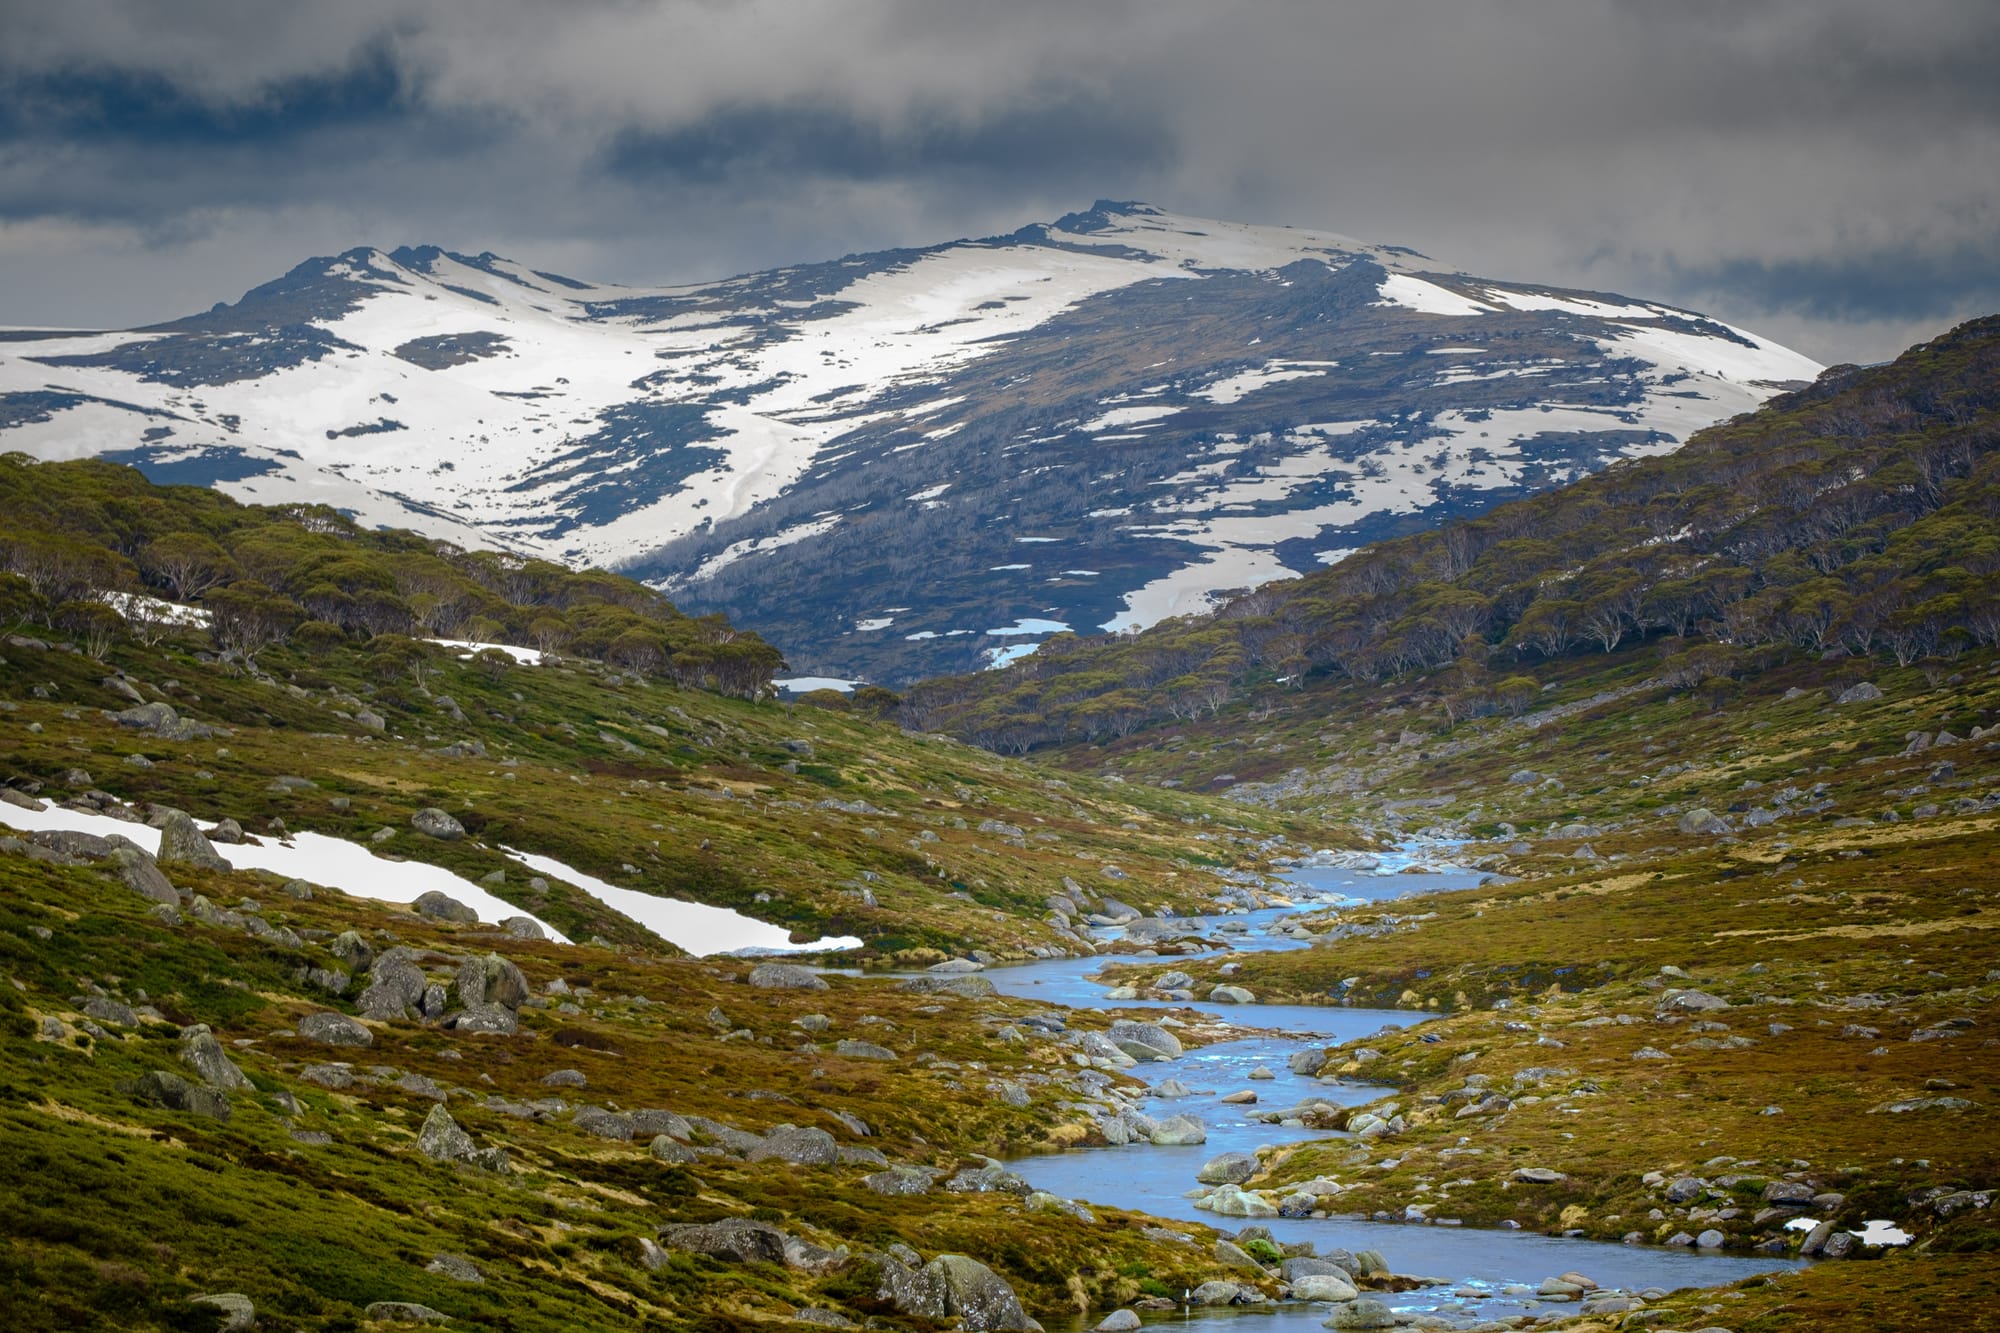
{"x":1824,"y":171}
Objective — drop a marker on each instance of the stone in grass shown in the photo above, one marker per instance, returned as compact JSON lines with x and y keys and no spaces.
{"x":175,"y":1093}
{"x":800,"y":1147}
{"x":443,"y":907}
{"x":736,"y":1239}
{"x":201,"y":1052}
{"x":238,"y":1313}
{"x":329,"y":1028}
{"x":442,"y":1140}
{"x":456,"y":1267}
{"x":404,"y":1312}
{"x":1538,"y":1175}
{"x":674,"y":1154}
{"x":785,"y":976}
{"x":953,"y":1285}
{"x":901,"y":1180}
{"x":862,"y":1050}
{"x":182,"y":843}
{"x":435,"y":823}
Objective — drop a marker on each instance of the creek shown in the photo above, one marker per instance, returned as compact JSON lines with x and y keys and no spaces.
{"x":1477,"y":1265}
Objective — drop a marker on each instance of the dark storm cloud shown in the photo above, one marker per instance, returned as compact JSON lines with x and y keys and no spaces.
{"x":1885,"y":285}
{"x":88,"y":106}
{"x":1059,"y":133}
{"x":1824,"y":170}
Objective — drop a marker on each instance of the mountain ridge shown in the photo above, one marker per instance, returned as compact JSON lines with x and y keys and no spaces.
{"x":739,"y":443}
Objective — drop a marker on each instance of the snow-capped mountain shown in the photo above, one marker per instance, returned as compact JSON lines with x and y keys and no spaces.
{"x":912,"y":461}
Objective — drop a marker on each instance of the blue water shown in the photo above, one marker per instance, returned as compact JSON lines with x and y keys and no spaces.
{"x":1475,"y":1263}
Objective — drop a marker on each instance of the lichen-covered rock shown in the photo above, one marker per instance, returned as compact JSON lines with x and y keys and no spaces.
{"x":175,"y":1093}
{"x":201,"y":1052}
{"x":141,"y":874}
{"x":952,"y":1285}
{"x":1231,"y":1168}
{"x":443,"y":907}
{"x":491,"y":980}
{"x":435,"y":823}
{"x":1177,"y":1130}
{"x":404,"y":1312}
{"x":442,"y":1140}
{"x":238,"y":1314}
{"x":785,"y":976}
{"x":737,"y":1239}
{"x":182,"y":843}
{"x":1144,"y":1041}
{"x":329,"y":1028}
{"x":800,"y":1147}
{"x":862,"y":1050}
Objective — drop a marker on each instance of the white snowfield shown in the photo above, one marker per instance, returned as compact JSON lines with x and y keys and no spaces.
{"x":552,"y":427}
{"x":339,"y":864}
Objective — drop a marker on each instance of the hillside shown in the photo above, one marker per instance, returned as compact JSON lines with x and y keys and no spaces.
{"x":300,"y":692}
{"x":913,"y":461}
{"x":1850,"y":521}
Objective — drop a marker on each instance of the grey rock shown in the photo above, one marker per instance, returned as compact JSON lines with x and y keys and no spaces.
{"x":1865,"y":692}
{"x":965,"y":987}
{"x":1710,"y":1239}
{"x":404,"y":1312}
{"x":226,"y":830}
{"x":442,"y":1140}
{"x":604,"y":1124}
{"x":901,"y":1180}
{"x":1230,"y":1168}
{"x":1179,"y":1130}
{"x":329,"y":1028}
{"x":175,"y":1093}
{"x":1216,"y":1293}
{"x":335,"y":1076}
{"x":396,"y":986}
{"x":1118,"y":1321}
{"x":523,"y":928}
{"x":564,"y":1078}
{"x":648,"y":1122}
{"x":992,"y":1178}
{"x":491,"y":980}
{"x":1231,"y":1255}
{"x":736,"y":1239}
{"x":1324,"y":1287}
{"x":785,"y":976}
{"x":862,"y":1050}
{"x":1144,"y":1041}
{"x":666,"y":1150}
{"x":238,"y":1314}
{"x":954,"y":1285}
{"x":801,"y":1147}
{"x":443,"y":907}
{"x":456,"y":1267}
{"x":435,"y":823}
{"x":351,"y":949}
{"x":1701,"y":820}
{"x":107,"y":1010}
{"x":181,"y":843}
{"x":1363,"y":1312}
{"x":1230,"y":995}
{"x":1538,"y":1175}
{"x":141,"y":874}
{"x":201,"y":1052}
{"x":419,"y":1086}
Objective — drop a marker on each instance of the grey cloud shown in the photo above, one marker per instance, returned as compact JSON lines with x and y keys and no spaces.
{"x":1829,"y":165}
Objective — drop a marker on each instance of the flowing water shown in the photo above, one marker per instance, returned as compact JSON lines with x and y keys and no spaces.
{"x":1477,"y":1264}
